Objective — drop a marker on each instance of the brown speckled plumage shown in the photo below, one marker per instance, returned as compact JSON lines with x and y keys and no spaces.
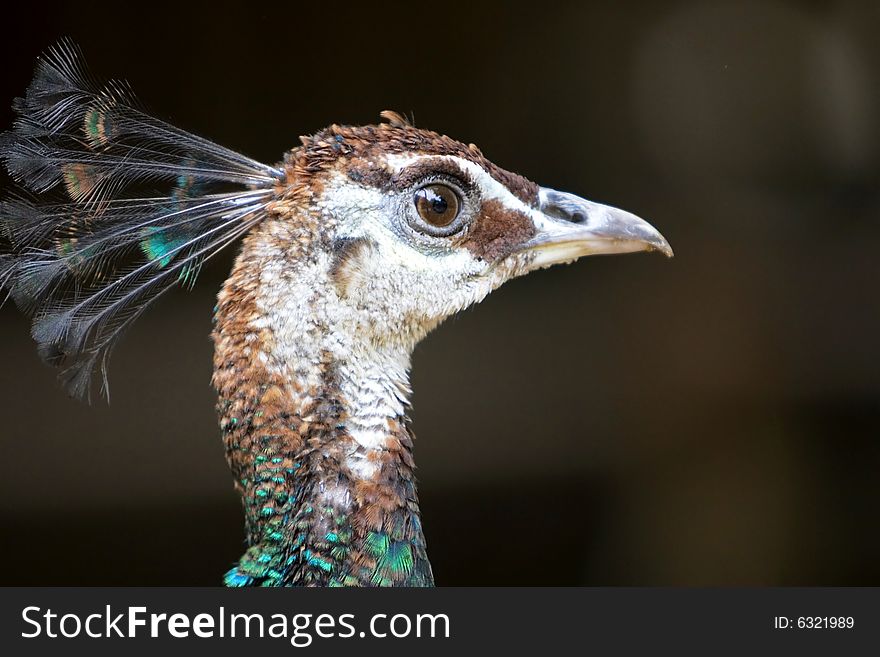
{"x":363,"y":146}
{"x":284,"y":443}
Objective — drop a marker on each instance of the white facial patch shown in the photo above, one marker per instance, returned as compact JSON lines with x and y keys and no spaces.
{"x":399,"y":280}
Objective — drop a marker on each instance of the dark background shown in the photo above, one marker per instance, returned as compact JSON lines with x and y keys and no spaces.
{"x":709,"y":420}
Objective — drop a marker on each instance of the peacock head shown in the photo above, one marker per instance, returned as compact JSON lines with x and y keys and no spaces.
{"x":415,"y":226}
{"x":363,"y":237}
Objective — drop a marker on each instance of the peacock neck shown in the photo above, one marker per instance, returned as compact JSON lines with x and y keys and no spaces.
{"x":315,"y":428}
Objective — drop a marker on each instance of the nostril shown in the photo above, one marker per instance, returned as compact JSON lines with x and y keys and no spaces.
{"x":565,"y":207}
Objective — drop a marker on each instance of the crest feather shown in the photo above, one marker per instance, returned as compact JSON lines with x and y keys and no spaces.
{"x":113,"y":208}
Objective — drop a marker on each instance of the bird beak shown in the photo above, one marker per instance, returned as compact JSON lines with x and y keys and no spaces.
{"x":569,"y":227}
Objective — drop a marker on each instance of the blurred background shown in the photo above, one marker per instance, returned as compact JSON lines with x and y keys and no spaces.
{"x":708,"y":420}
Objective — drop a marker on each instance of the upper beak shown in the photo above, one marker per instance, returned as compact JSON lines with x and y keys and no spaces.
{"x":569,"y":227}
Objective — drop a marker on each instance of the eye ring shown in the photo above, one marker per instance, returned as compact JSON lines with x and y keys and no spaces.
{"x":438,"y":206}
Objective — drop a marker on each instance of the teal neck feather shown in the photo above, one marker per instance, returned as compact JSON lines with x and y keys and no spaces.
{"x":308,"y":524}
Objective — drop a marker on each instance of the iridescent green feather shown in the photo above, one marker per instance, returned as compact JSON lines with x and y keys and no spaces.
{"x":161,"y":244}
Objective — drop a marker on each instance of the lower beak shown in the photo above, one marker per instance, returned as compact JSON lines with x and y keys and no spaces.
{"x":570,"y":227}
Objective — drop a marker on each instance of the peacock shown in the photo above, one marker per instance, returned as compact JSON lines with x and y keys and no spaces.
{"x":352,"y":248}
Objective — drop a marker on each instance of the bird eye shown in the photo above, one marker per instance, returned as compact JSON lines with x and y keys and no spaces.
{"x":437,"y":205}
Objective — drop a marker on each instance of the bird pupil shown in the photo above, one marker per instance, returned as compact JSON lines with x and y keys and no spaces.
{"x":439,"y":204}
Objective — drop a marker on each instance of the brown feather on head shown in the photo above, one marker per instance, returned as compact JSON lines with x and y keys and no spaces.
{"x":396,"y":119}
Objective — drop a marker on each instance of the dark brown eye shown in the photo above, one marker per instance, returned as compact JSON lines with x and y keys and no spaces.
{"x":437,"y":205}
